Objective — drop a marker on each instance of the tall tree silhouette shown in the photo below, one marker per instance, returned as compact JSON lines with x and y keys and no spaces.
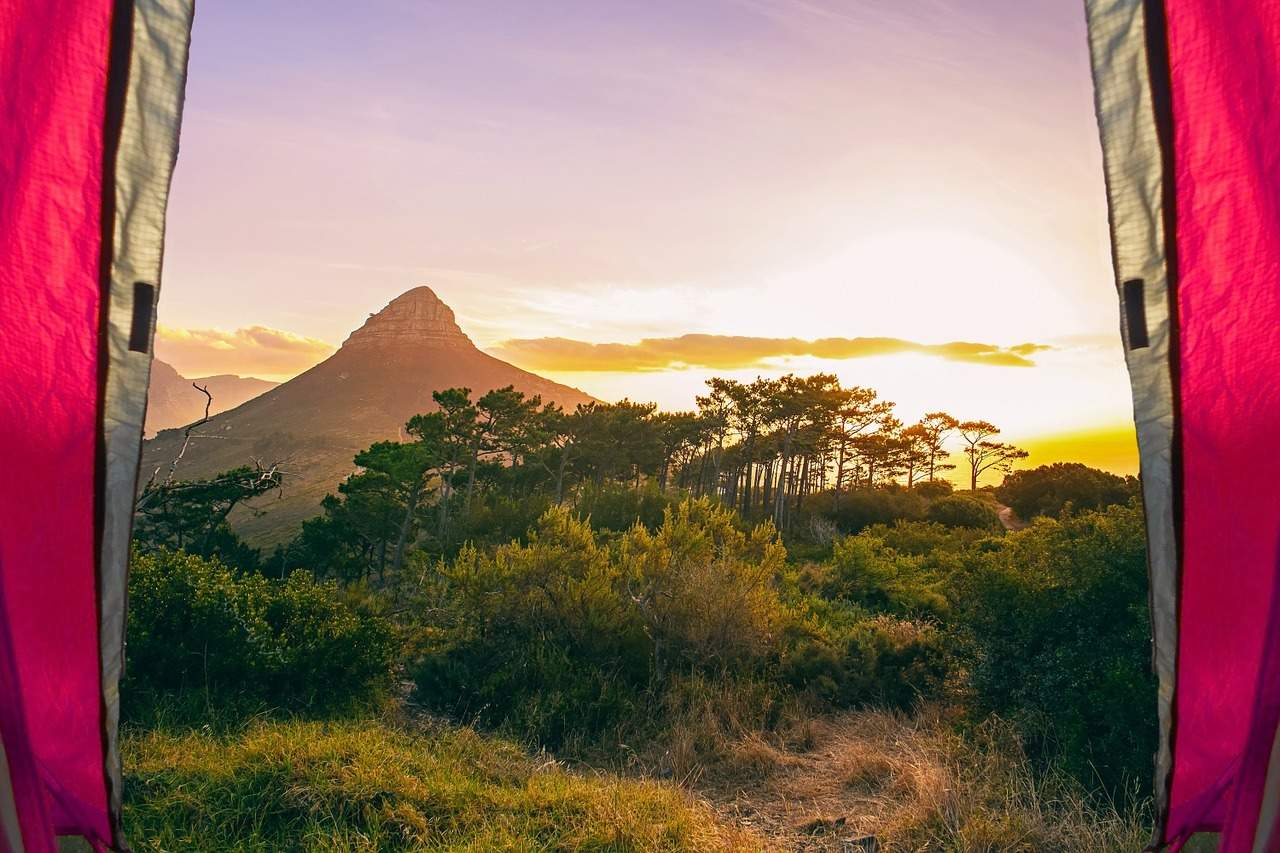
{"x":858,"y":409}
{"x":983,"y":454}
{"x":935,"y":428}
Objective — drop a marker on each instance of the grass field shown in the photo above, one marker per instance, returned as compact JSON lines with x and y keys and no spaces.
{"x":374,"y":785}
{"x":390,"y":784}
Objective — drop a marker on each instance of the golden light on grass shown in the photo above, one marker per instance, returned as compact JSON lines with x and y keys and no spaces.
{"x":378,"y":785}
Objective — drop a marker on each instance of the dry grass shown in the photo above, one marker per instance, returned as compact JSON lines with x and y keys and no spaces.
{"x":809,"y":784}
{"x":720,"y":724}
{"x":913,"y":785}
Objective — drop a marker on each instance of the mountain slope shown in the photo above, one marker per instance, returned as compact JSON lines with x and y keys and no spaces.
{"x":172,"y":402}
{"x":315,"y":423}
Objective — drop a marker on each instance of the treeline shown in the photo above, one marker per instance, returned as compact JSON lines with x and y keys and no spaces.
{"x":762,"y":448}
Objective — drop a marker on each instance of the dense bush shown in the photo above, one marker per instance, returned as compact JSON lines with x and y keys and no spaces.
{"x":617,"y":507}
{"x":867,"y":631}
{"x":704,"y":589}
{"x":1059,"y":641}
{"x":1049,"y":489}
{"x":893,"y":663}
{"x":862,"y":570}
{"x":963,"y":511}
{"x":927,"y":538}
{"x":882,"y":661}
{"x":498,"y":519}
{"x":851,"y":511}
{"x":198,"y":628}
{"x":536,"y":636}
{"x":565,"y":634}
{"x":931,"y":490}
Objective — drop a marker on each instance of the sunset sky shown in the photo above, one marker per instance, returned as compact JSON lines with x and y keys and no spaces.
{"x":633,"y":196}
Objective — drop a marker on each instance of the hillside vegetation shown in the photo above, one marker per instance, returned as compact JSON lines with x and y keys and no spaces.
{"x":621,"y":634}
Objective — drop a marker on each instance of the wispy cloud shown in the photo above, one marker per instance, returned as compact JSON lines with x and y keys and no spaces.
{"x":729,"y":352}
{"x":251,"y":351}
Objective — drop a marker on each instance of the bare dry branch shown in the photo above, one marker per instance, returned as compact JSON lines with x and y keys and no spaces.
{"x":186,"y":435}
{"x":186,"y":440}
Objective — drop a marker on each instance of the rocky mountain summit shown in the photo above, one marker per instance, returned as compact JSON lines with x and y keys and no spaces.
{"x":316,"y":422}
{"x":416,"y":317}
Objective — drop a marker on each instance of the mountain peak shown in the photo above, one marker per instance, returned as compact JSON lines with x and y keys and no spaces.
{"x":415,"y":316}
{"x":386,"y":372}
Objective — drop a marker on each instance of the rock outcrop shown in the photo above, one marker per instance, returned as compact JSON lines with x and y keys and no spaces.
{"x":416,"y":317}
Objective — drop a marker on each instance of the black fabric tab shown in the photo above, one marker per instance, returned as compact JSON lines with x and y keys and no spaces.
{"x":1135,"y":313}
{"x":144,"y":300}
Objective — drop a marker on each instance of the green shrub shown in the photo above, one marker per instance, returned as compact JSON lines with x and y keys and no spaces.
{"x":533,"y":636}
{"x":498,"y":519}
{"x":854,"y":510}
{"x":1059,"y":641}
{"x":880,"y":661}
{"x":893,"y":663}
{"x":199,"y":629}
{"x":617,"y":507}
{"x":566,"y":636}
{"x":931,"y":490}
{"x":928,"y":539}
{"x":704,"y":589}
{"x":1050,"y":489}
{"x":816,"y":665}
{"x":963,"y":511}
{"x":864,"y":571}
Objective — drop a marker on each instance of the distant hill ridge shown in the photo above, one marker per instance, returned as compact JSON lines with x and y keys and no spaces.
{"x":172,"y":401}
{"x":314,"y":424}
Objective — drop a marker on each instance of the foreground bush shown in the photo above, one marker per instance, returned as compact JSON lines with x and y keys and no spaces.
{"x":928,"y":539}
{"x":366,"y":785}
{"x":567,"y":635}
{"x":535,"y":637}
{"x":1058,"y":631}
{"x":617,"y":507}
{"x":576,"y":638}
{"x":705,"y":591}
{"x":881,"y":662}
{"x":223,"y":639}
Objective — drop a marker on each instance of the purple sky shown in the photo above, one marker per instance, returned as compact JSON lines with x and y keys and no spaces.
{"x":607,"y":171}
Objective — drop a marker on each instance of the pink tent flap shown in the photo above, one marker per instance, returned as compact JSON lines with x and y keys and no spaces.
{"x":90,"y":103}
{"x":1186,"y":100}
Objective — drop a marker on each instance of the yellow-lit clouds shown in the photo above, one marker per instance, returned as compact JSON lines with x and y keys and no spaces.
{"x":729,"y":352}
{"x":250,"y":351}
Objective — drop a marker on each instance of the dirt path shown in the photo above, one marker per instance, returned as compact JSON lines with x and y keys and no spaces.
{"x":1009,"y":518}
